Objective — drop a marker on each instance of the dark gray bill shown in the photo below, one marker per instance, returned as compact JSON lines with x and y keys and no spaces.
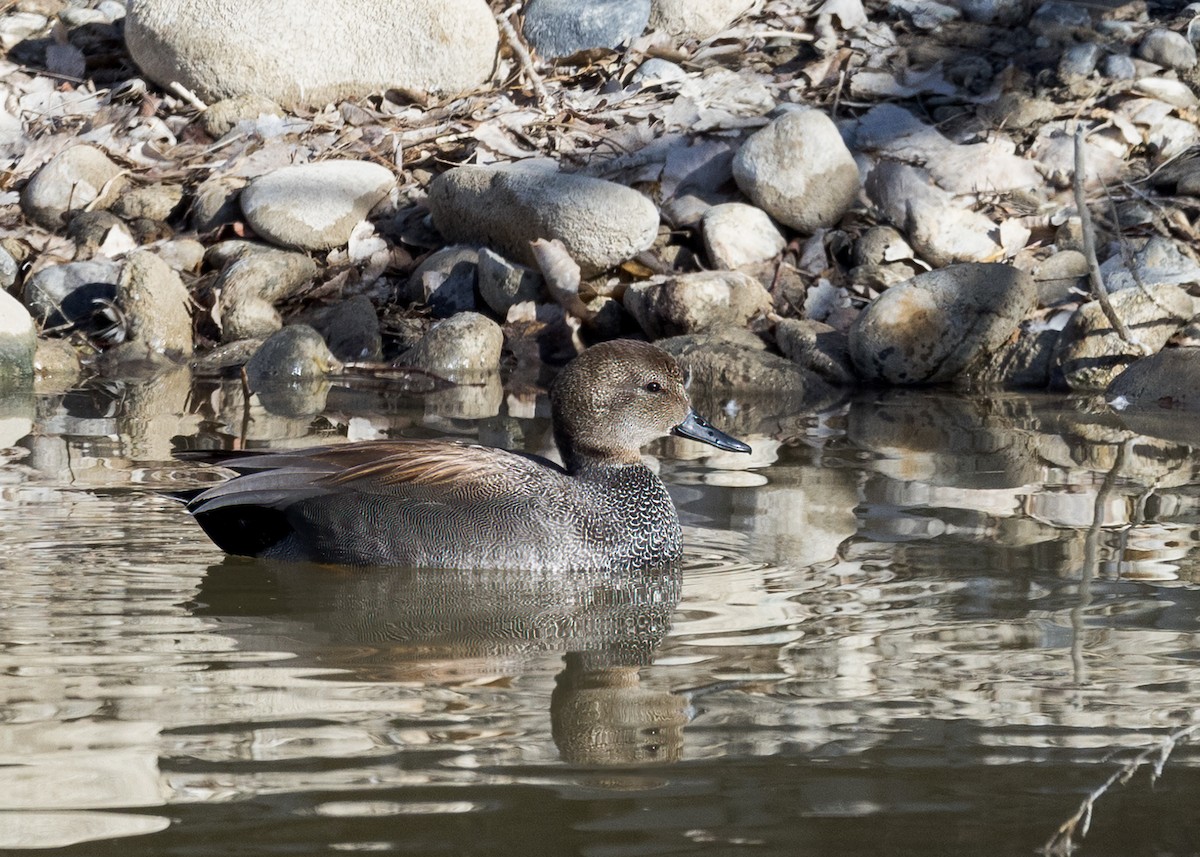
{"x":698,"y":428}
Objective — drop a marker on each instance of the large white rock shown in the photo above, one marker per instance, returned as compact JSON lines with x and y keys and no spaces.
{"x":798,"y":170}
{"x":601,"y":223}
{"x":315,"y":51}
{"x":315,"y":206}
{"x":736,"y":234}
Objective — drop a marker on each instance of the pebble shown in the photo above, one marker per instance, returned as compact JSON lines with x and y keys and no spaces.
{"x":656,"y":70}
{"x":697,"y":19}
{"x":60,"y":294}
{"x":601,"y":223}
{"x":799,"y":171}
{"x":880,"y":245}
{"x":91,"y":230}
{"x":445,"y":281}
{"x":220,"y":51}
{"x":1058,"y":20}
{"x":1079,"y":61}
{"x":57,"y":360}
{"x":1002,"y":12}
{"x":560,"y":28}
{"x":1169,"y":378}
{"x":350,"y":328}
{"x":250,"y":286}
{"x":1090,"y":354}
{"x":216,"y":203}
{"x":294,"y":352}
{"x":1167,"y":48}
{"x":931,"y":328}
{"x":817,"y":347}
{"x":18,"y":339}
{"x":185,"y":255}
{"x":696,"y":303}
{"x":153,"y":202}
{"x":155,"y":306}
{"x":1059,"y":276}
{"x":79,"y":177}
{"x":1118,"y":67}
{"x":503,"y":283}
{"x":315,"y":206}
{"x":736,"y":234}
{"x":9,"y":269}
{"x":1158,"y":261}
{"x":458,"y":348}
{"x":221,"y":118}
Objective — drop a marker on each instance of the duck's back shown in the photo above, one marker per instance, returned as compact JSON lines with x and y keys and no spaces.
{"x":430,"y":504}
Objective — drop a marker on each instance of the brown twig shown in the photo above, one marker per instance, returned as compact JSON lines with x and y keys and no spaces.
{"x":523,"y":57}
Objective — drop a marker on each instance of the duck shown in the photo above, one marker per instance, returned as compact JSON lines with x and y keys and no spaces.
{"x":429,"y":504}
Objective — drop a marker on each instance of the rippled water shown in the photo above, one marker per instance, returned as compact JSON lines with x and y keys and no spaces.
{"x":921,"y":624}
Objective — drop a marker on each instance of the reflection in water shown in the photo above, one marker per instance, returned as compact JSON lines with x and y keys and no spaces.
{"x":921,"y":624}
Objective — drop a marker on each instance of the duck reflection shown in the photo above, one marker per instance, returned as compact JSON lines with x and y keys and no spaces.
{"x":468,"y":627}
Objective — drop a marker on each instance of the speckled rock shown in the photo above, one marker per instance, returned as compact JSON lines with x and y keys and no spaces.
{"x":90,"y":230}
{"x":460,"y":347}
{"x":221,"y":118}
{"x":798,"y":170}
{"x":79,"y":177}
{"x":153,"y":202}
{"x":1170,"y":378}
{"x":226,"y":48}
{"x":601,"y":223}
{"x":18,"y":339}
{"x":736,"y":234}
{"x":155,"y":306}
{"x":291,"y":353}
{"x":1022,"y":363}
{"x":817,"y":347}
{"x":697,"y":19}
{"x":931,"y":328}
{"x":559,"y":28}
{"x":315,"y":206}
{"x":1091,"y":354}
{"x":251,"y":285}
{"x":57,"y":361}
{"x":694,"y":303}
{"x":350,"y":328}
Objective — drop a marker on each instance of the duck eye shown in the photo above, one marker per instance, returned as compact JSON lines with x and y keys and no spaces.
{"x":653,"y":387}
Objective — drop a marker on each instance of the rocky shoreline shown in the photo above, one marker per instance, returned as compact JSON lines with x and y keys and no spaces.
{"x":795,"y":198}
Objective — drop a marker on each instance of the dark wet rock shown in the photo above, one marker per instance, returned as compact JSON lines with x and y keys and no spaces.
{"x":737,"y":234}
{"x":220,"y":118}
{"x":91,"y":229}
{"x":445,"y":281}
{"x":228,"y":355}
{"x":694,"y":303}
{"x":68,"y":293}
{"x":252,"y":284}
{"x":478,"y":397}
{"x":601,"y":223}
{"x":930,"y":329}
{"x":315,"y":206}
{"x":1091,"y":354}
{"x":1167,"y":48}
{"x":1168,"y":379}
{"x":293,"y":352}
{"x":18,"y":339}
{"x":798,"y":170}
{"x":329,"y":50}
{"x":152,"y":202}
{"x":1024,"y":362}
{"x":1060,"y":276}
{"x":217,"y":203}
{"x":350,"y":329}
{"x":155,"y":306}
{"x":818,"y":348}
{"x":503,"y":283}
{"x":461,"y":347}
{"x":79,"y":177}
{"x":696,"y":19}
{"x":559,"y":28}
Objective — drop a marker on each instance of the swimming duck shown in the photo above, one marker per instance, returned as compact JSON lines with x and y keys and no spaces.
{"x":447,"y":504}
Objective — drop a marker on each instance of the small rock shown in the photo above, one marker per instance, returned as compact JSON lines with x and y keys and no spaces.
{"x":220,"y":118}
{"x":503,"y":284}
{"x":217,"y":203}
{"x":1158,"y":261}
{"x":155,"y":305}
{"x":459,"y":348}
{"x":323,"y":51}
{"x":1023,"y":363}
{"x":1079,"y":61}
{"x":18,"y":339}
{"x":1091,"y":354}
{"x":185,"y":255}
{"x":696,"y":303}
{"x":817,"y":347}
{"x":1118,"y":67}
{"x":1170,"y":378}
{"x":559,"y":28}
{"x":228,"y":355}
{"x":1003,"y":12}
{"x":799,"y":171}
{"x":933,"y":327}
{"x":656,"y":70}
{"x":697,"y":19}
{"x":315,"y":206}
{"x":1167,"y":48}
{"x":736,"y":234}
{"x":1059,"y":276}
{"x":350,"y":329}
{"x":153,"y":202}
{"x":1059,"y":21}
{"x":880,"y":245}
{"x":601,"y":223}
{"x":445,"y":281}
{"x":924,"y":14}
{"x":70,"y":293}
{"x":292,"y":353}
{"x":90,"y":230}
{"x":57,"y":360}
{"x":78,"y":177}
{"x":9,"y":269}
{"x":251,"y":285}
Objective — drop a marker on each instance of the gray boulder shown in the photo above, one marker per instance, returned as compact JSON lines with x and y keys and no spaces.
{"x":319,"y":51}
{"x":78,"y":177}
{"x":559,"y":28}
{"x":250,"y":286}
{"x":931,"y":328}
{"x":1170,"y":378}
{"x":697,"y":19}
{"x":817,"y":347}
{"x":461,"y":347}
{"x":155,"y":305}
{"x":293,"y":353}
{"x":694,"y":303}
